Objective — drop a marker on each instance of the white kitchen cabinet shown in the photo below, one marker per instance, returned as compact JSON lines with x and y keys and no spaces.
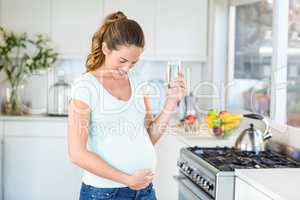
{"x":181,"y":29}
{"x":167,"y":155}
{"x":141,"y":11}
{"x":244,"y":191}
{"x":37,"y":166}
{"x":73,"y":24}
{"x":31,"y":16}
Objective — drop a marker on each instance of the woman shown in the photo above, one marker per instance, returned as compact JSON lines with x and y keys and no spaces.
{"x":111,"y":131}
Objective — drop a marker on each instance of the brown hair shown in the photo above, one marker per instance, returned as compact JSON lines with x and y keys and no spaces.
{"x":116,"y":30}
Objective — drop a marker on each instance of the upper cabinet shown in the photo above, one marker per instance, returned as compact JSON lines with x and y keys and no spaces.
{"x":73,"y":24}
{"x":173,"y":28}
{"x":31,"y":16}
{"x":142,"y":12}
{"x":181,"y":29}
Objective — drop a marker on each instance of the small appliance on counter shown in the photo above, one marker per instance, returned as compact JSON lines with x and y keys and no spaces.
{"x":208,"y":173}
{"x":58,"y":97}
{"x":253,"y":139}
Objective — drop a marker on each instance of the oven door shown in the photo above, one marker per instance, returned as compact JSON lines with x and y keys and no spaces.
{"x":188,"y":190}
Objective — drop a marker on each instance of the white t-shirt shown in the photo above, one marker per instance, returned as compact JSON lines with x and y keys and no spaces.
{"x":116,"y":128}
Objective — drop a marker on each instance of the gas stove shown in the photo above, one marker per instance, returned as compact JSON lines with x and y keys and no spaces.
{"x":208,"y":173}
{"x":229,"y":159}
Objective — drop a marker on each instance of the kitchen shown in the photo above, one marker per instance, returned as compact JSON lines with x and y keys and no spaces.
{"x":226,"y":50}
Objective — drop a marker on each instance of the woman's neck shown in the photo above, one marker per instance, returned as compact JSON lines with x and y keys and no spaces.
{"x":106,"y":72}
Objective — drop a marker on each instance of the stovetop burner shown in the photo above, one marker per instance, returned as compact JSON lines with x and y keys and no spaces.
{"x":228,"y":159}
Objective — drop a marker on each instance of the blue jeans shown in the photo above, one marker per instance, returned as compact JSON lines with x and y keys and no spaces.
{"x":88,"y":192}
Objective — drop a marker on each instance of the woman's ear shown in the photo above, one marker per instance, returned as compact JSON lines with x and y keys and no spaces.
{"x":105,"y":49}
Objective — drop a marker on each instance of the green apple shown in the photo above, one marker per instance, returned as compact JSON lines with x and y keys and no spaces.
{"x":212,"y":112}
{"x":217,"y":122}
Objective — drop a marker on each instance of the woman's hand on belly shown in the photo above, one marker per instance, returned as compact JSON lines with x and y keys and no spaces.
{"x":140,"y":179}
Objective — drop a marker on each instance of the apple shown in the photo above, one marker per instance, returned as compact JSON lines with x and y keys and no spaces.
{"x":217,"y":131}
{"x":217,"y":122}
{"x":223,"y":112}
{"x":190,"y":118}
{"x":212,"y":112}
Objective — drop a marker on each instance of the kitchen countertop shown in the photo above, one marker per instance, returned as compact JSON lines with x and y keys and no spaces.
{"x":203,"y":137}
{"x":32,"y":118}
{"x":278,"y":184}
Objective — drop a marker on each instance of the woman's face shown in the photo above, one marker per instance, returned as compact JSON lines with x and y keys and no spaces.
{"x":123,"y":58}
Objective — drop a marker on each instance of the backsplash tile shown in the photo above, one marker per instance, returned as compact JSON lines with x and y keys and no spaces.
{"x":36,"y":88}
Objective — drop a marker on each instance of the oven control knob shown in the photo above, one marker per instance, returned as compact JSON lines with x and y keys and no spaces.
{"x":185,"y":168}
{"x":189,"y":170}
{"x":180,"y":164}
{"x":200,"y":181}
{"x":205,"y":187}
{"x":198,"y":178}
{"x":194,"y":177}
{"x":211,"y":187}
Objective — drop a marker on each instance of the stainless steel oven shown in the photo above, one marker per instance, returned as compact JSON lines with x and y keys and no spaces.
{"x":208,"y":173}
{"x":188,"y":190}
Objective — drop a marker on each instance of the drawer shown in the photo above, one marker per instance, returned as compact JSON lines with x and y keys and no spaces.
{"x":35,"y":128}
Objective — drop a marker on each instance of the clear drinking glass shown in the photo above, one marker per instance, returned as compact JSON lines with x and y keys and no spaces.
{"x":173,"y":69}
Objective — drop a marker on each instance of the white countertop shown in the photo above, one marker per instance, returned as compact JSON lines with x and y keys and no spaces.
{"x":203,"y":137}
{"x":278,"y":184}
{"x":32,"y":118}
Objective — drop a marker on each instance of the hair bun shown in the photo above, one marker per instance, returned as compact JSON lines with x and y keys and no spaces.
{"x":117,"y":16}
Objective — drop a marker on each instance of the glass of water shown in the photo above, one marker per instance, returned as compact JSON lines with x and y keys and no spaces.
{"x":173,"y":69}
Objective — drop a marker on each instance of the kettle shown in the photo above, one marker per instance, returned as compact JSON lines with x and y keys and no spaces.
{"x":252,"y":139}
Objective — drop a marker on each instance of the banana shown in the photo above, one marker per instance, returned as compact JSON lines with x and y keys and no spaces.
{"x":229,"y":126}
{"x":231,"y":118}
{"x":209,"y":121}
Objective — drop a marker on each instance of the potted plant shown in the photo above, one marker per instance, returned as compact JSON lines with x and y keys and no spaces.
{"x":20,"y":57}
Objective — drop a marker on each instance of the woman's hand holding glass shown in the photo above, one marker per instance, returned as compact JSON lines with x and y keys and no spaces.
{"x":176,"y":91}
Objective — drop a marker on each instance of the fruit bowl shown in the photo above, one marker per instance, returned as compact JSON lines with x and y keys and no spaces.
{"x":222,"y":123}
{"x":189,"y":123}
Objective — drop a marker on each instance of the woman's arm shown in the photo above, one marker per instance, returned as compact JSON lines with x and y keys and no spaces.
{"x":156,"y":127}
{"x":78,"y":124}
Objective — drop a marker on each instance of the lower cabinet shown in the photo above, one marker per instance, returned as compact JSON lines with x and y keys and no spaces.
{"x":36,"y":164}
{"x":167,"y":155}
{"x":38,"y":167}
{"x":244,"y":191}
{"x":1,"y":158}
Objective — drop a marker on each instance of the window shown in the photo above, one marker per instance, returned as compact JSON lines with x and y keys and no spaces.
{"x":255,"y":70}
{"x":293,"y":69}
{"x":252,"y":64}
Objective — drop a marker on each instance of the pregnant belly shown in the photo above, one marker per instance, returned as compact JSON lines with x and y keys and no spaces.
{"x":128,"y":155}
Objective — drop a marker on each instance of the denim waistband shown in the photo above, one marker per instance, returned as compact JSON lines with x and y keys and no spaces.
{"x":123,"y":191}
